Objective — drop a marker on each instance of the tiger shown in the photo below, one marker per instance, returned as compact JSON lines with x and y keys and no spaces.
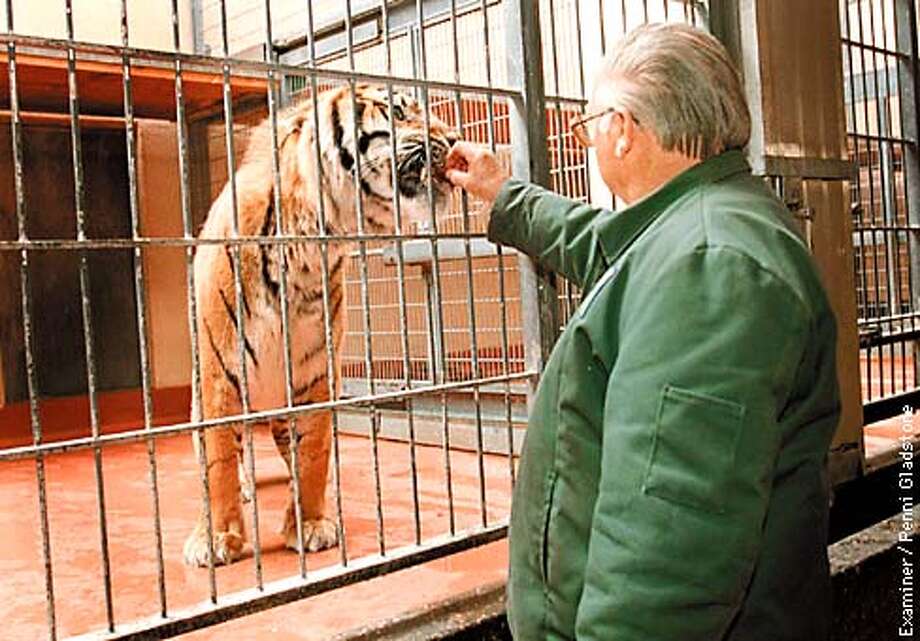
{"x":355,"y":155}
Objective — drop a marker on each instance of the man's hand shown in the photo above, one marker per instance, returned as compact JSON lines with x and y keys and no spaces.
{"x":475,"y":169}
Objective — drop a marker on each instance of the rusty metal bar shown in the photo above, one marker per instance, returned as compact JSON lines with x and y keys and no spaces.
{"x":294,"y":589}
{"x":188,"y":236}
{"x":401,"y":286}
{"x":365,"y":295}
{"x":500,"y":252}
{"x":86,"y":308}
{"x":436,"y":288}
{"x":277,"y":203}
{"x":327,"y":318}
{"x":28,"y":339}
{"x":65,"y":244}
{"x":131,"y":436}
{"x":471,"y":297}
{"x":253,"y":68}
{"x":141,"y":302}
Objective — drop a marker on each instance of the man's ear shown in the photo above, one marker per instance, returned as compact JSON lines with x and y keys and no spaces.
{"x":623,"y":141}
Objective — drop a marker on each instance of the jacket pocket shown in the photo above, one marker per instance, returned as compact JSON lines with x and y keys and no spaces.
{"x":547,"y":517}
{"x":693,"y":452}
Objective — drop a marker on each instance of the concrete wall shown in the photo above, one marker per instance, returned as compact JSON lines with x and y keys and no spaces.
{"x":149,"y":23}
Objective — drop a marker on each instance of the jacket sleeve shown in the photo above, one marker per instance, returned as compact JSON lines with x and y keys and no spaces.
{"x":553,"y":230}
{"x":708,"y":355}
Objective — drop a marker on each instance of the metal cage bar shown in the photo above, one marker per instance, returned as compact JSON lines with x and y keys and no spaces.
{"x":86,"y":309}
{"x":141,"y":300}
{"x":35,"y":423}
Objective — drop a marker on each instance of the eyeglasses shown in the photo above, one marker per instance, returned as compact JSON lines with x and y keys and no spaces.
{"x":580,"y":130}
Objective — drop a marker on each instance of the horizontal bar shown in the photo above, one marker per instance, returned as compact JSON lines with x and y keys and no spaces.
{"x":878,"y":320}
{"x":132,"y":436}
{"x":849,"y":42}
{"x":867,"y":137}
{"x":419,"y":252}
{"x":292,"y":589}
{"x":358,"y":387}
{"x":337,"y":25}
{"x":874,"y":411}
{"x":884,"y":228}
{"x":810,"y":167}
{"x":879,"y":338}
{"x":68,"y":244}
{"x":575,"y":100}
{"x":256,"y":69}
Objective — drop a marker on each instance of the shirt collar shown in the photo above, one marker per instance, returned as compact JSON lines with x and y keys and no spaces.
{"x":616,"y":231}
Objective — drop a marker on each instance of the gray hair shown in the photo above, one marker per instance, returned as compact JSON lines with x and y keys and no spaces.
{"x":678,"y":81}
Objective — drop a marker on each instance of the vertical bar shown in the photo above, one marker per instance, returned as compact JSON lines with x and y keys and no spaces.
{"x":77,"y":159}
{"x":365,"y":294}
{"x":889,"y":185}
{"x":858,"y":182}
{"x":884,"y":180}
{"x":503,"y":303}
{"x":909,"y":84}
{"x":277,"y":203}
{"x":237,"y":279}
{"x":141,"y":301}
{"x":872,"y":220}
{"x":28,"y":340}
{"x":600,"y":11}
{"x":401,"y":278}
{"x":436,"y":264}
{"x":186,"y":200}
{"x":527,"y":114}
{"x":471,"y":298}
{"x":331,"y":373}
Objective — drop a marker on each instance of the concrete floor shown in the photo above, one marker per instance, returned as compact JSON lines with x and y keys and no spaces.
{"x":73,"y":516}
{"x":74,"y":525}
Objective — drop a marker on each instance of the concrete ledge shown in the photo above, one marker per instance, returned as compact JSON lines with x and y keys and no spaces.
{"x":478,"y":614}
{"x":865,"y":572}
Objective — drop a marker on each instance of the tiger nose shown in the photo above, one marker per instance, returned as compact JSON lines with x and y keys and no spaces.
{"x":452,"y":138}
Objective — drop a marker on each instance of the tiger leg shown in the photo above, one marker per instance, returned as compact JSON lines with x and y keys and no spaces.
{"x":282,"y":435}
{"x":247,"y":480}
{"x":227,"y":525}
{"x":314,"y":443}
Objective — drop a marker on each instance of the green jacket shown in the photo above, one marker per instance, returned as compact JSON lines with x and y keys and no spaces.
{"x":673,"y":484}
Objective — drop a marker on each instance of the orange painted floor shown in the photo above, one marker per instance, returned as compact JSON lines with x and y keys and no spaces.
{"x":74,"y":526}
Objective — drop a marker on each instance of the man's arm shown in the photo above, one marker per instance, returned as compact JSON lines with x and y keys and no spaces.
{"x":553,"y":230}
{"x":707,"y":360}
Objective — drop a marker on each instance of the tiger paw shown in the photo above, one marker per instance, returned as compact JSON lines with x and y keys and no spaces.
{"x":318,"y":534}
{"x":228,"y":545}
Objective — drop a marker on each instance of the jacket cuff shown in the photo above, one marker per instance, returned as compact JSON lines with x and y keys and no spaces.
{"x":503,"y":219}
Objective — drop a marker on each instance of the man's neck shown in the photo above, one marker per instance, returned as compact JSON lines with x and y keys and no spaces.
{"x":658,"y":170}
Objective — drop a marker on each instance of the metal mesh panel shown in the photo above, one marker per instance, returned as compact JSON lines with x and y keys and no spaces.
{"x":881,"y":121}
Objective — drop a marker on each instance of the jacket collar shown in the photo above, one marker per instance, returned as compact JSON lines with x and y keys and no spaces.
{"x":616,"y":231}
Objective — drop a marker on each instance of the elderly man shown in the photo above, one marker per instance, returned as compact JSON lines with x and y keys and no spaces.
{"x":673,"y":484}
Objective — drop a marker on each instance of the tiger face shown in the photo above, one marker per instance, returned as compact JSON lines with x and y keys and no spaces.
{"x":387,"y":173}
